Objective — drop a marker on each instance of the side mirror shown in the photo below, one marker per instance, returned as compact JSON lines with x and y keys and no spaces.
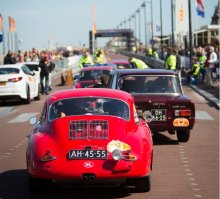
{"x":33,"y":73}
{"x":33,"y":120}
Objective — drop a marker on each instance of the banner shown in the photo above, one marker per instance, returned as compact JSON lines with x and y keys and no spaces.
{"x":1,"y":22}
{"x":11,"y":24}
{"x":94,"y":20}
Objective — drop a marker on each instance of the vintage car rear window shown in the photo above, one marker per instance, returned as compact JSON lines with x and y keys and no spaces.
{"x":152,"y":84}
{"x":93,"y":74}
{"x":89,"y":106}
{"x":5,"y":71}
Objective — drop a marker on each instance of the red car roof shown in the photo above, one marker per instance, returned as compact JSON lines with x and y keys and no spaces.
{"x":101,"y":92}
{"x":97,"y":68}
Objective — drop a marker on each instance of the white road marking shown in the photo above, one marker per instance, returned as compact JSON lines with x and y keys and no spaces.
{"x":6,"y":110}
{"x":24,"y":117}
{"x":203,"y":115}
{"x":189,"y":173}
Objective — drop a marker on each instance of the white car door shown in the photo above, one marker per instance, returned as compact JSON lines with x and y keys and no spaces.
{"x":31,"y":81}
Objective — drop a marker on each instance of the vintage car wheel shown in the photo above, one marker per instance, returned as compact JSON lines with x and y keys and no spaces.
{"x":142,"y":184}
{"x":183,"y":136}
{"x":36,"y":184}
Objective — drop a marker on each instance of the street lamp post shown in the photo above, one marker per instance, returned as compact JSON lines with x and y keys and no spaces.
{"x":145,"y":23}
{"x":129,"y":22}
{"x":172,"y":7}
{"x":161,"y":30}
{"x":139,"y":19}
{"x":135,"y":35}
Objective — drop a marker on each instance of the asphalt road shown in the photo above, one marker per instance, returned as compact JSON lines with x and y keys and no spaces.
{"x":180,"y":170}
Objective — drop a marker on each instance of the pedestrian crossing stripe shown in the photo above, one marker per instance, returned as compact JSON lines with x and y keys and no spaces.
{"x":24,"y":117}
{"x":6,"y":110}
{"x":203,"y":115}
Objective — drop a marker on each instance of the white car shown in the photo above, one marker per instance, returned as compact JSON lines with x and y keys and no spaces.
{"x":17,"y":81}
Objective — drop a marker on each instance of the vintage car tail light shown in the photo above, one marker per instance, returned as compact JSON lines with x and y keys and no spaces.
{"x":48,"y":157}
{"x":181,"y":122}
{"x":182,"y":113}
{"x":16,"y":79}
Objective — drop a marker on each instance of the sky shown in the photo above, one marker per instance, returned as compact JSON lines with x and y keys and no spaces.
{"x":50,"y":23}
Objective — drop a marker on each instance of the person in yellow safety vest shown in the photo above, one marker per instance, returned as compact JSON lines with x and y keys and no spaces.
{"x":134,"y":49}
{"x":137,"y":63}
{"x":149,"y":51}
{"x":85,"y":59}
{"x":170,"y":61}
{"x":155,"y":53}
{"x":100,"y":57}
{"x":202,"y":59}
{"x":194,"y":74}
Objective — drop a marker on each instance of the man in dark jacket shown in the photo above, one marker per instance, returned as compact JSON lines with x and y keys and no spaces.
{"x":44,"y":75}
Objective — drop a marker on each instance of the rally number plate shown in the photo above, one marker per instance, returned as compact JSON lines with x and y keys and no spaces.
{"x":159,"y":114}
{"x":87,"y":154}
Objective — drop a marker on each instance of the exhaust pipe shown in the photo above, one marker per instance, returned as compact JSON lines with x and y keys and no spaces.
{"x":88,"y":177}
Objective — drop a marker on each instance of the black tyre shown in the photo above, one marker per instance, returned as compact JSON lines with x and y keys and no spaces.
{"x":142,"y":184}
{"x":37,"y":185}
{"x":38,"y":94}
{"x":183,"y":136}
{"x":28,"y":100}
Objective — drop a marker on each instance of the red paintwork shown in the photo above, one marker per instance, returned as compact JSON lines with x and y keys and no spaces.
{"x":53,"y":136}
{"x":121,"y":62}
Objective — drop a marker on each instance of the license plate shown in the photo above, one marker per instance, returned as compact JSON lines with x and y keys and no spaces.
{"x":87,"y":154}
{"x":159,"y":114}
{"x":2,"y":83}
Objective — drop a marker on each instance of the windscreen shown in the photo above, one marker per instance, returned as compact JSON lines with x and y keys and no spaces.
{"x":89,"y":106}
{"x":5,"y":71}
{"x":152,"y":84}
{"x":93,"y":74}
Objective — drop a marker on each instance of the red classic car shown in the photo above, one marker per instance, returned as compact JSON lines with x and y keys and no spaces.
{"x":122,"y":63}
{"x":159,"y":96}
{"x":88,"y":76}
{"x":90,"y":136}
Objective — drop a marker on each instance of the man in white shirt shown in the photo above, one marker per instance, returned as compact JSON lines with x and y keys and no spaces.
{"x":211,"y":73}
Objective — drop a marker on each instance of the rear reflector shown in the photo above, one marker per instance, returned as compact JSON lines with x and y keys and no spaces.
{"x":181,"y":122}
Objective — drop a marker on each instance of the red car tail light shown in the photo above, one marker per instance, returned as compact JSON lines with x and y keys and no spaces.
{"x":16,"y":79}
{"x":47,"y":157}
{"x":183,"y":113}
{"x":98,"y":130}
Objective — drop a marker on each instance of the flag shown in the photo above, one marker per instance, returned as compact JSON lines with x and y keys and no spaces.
{"x":181,"y":13}
{"x":1,"y":22}
{"x":200,"y":8}
{"x":11,"y":24}
{"x":94,"y":20}
{"x":157,"y":28}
